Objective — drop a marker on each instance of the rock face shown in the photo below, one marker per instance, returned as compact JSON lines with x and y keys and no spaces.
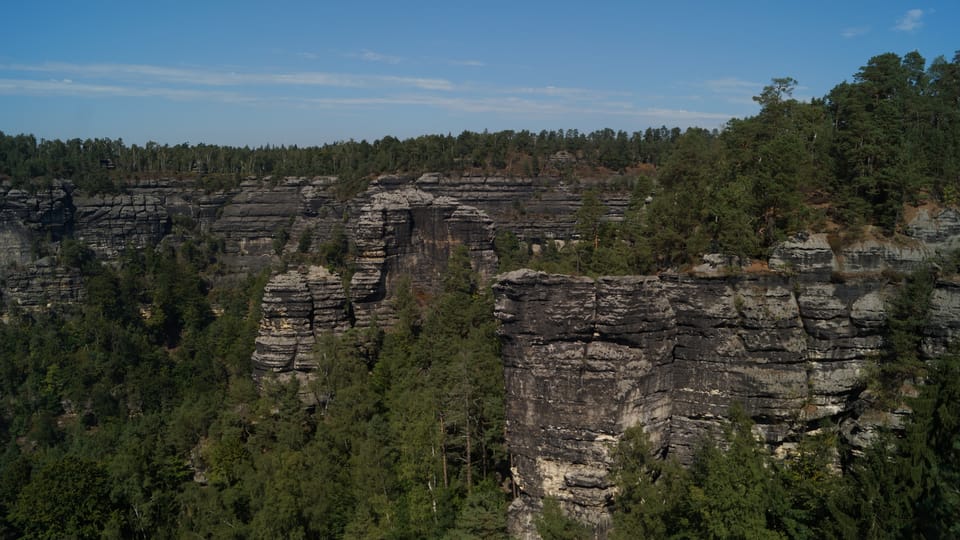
{"x":409,"y":232}
{"x":110,"y":223}
{"x":405,"y":232}
{"x":26,"y":219}
{"x":261,"y":219}
{"x":536,"y":209}
{"x":298,"y":306}
{"x":585,"y":359}
{"x":40,"y":285}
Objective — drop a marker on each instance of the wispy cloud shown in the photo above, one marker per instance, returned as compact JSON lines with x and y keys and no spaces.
{"x":370,"y":56}
{"x":854,"y":31}
{"x":522,"y":107}
{"x":466,"y":63}
{"x":731,"y":85}
{"x":321,"y":90}
{"x":734,"y":90}
{"x":209,"y":77}
{"x":67,"y":87}
{"x":912,"y":20}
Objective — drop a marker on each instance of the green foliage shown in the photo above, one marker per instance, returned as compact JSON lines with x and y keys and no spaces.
{"x":114,"y":403}
{"x":908,"y":315}
{"x":511,"y":254}
{"x":731,"y":490}
{"x":933,"y":446}
{"x":553,"y":524}
{"x":280,"y":241}
{"x":335,"y":253}
{"x":66,"y":498}
{"x":648,"y":489}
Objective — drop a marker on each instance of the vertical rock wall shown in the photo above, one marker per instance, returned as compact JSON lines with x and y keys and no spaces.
{"x":405,"y":232}
{"x":585,"y":359}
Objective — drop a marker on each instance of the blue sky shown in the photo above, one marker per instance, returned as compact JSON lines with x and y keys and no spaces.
{"x":252,"y":73}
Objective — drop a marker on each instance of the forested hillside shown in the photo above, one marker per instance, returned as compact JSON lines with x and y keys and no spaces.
{"x":134,"y":413}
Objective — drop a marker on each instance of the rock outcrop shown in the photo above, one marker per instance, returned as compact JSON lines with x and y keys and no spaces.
{"x":298,"y":306}
{"x":40,"y":285}
{"x":535,"y":209}
{"x":411,"y":233}
{"x":585,"y":359}
{"x":28,"y":219}
{"x":404,"y":232}
{"x":108,"y":224}
{"x":260,"y":220}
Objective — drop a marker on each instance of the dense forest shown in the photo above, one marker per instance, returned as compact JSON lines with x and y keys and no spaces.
{"x":134,"y":414}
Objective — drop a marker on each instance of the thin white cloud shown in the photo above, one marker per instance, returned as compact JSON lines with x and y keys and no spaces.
{"x":67,"y":87}
{"x":467,"y":63}
{"x":519,"y":106}
{"x":911,"y":20}
{"x":733,"y":90}
{"x":205,"y":77}
{"x":731,"y":85}
{"x":321,"y":90}
{"x":556,"y":92}
{"x":370,"y":56}
{"x":854,"y":31}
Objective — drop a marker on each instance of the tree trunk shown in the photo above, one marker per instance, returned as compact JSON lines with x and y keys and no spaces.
{"x":469,"y":462}
{"x":443,"y":453}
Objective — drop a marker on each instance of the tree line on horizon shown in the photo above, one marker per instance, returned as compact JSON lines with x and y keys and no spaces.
{"x":852,"y":158}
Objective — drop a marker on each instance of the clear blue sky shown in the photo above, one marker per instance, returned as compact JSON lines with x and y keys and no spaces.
{"x":251,"y":73}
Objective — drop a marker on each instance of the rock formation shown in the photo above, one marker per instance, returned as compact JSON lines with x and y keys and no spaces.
{"x":405,"y":232}
{"x":585,"y":359}
{"x":40,"y":285}
{"x":108,"y":224}
{"x":297,"y":307}
{"x":409,"y":232}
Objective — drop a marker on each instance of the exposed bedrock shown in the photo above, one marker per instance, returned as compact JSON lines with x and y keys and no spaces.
{"x":404,"y":232}
{"x":108,"y":224}
{"x":261,"y":219}
{"x":28,"y":219}
{"x":40,"y":285}
{"x":298,"y":307}
{"x":411,"y":233}
{"x":584,"y":359}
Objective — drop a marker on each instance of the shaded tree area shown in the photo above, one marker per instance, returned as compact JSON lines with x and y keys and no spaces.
{"x":104,"y":403}
{"x":104,"y":164}
{"x":134,"y":415}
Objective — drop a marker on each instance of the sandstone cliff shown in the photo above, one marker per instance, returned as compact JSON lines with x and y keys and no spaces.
{"x":405,"y":232}
{"x":261,"y":219}
{"x":585,"y":359}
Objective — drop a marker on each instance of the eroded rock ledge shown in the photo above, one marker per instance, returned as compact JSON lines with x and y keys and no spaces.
{"x":406,"y":232}
{"x":585,"y":359}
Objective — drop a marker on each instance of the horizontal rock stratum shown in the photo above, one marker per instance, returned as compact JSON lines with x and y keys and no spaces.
{"x":585,"y":359}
